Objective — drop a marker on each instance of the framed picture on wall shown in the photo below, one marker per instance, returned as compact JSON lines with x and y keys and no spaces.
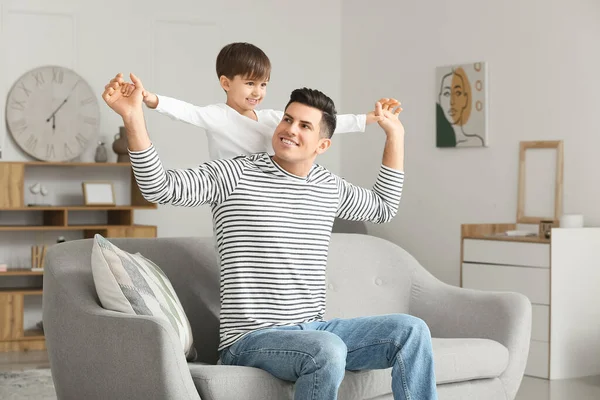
{"x":461,"y":105}
{"x":98,"y":193}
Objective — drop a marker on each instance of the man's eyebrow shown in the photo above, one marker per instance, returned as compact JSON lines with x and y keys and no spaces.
{"x":292,"y":118}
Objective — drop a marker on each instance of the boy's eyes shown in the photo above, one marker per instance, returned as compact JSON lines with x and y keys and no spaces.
{"x":252,"y":84}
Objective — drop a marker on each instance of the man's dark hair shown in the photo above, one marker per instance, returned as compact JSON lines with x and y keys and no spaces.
{"x":320,"y":101}
{"x":243,"y":59}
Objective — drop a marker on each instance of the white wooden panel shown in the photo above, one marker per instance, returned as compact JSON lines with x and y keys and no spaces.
{"x":532,"y":282}
{"x":540,"y":324}
{"x":183,"y":61}
{"x":537,"y":362}
{"x":575,"y":302}
{"x":29,"y":40}
{"x":507,"y":253}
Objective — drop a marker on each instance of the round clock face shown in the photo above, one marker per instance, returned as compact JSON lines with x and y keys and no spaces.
{"x":52,"y":113}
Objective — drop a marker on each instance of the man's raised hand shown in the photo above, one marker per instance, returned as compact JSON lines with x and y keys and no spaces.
{"x":388,"y":116}
{"x":385,"y":102}
{"x":115,"y":99}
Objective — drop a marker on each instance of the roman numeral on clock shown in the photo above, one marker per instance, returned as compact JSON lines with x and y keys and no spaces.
{"x":82,"y":140}
{"x":19,"y":126}
{"x":57,"y":76}
{"x":50,"y":151}
{"x":39,"y":79}
{"x":18,"y":105}
{"x":31,"y":143}
{"x":68,"y":152}
{"x":22,"y":87}
{"x":87,"y":101}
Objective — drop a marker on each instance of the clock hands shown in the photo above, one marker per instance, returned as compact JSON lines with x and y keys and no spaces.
{"x":52,"y":116}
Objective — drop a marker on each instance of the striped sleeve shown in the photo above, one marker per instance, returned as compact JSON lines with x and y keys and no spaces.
{"x":378,"y":205}
{"x":209,"y":183}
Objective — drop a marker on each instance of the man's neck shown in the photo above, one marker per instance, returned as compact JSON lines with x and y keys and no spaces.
{"x":295,"y":168}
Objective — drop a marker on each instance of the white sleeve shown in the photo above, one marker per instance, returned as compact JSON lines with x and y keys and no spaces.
{"x":345,"y":122}
{"x":208,"y":117}
{"x":351,"y":123}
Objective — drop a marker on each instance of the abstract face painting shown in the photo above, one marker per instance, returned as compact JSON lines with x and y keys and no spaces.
{"x":461,"y":106}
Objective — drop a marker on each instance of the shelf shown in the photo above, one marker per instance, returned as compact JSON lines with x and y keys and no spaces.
{"x":526,"y":239}
{"x":20,"y":272}
{"x":63,"y":227}
{"x":70,"y":164}
{"x":33,"y":334}
{"x":79,"y":208}
{"x":24,"y":291}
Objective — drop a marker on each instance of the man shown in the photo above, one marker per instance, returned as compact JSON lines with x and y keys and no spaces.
{"x":273,"y":218}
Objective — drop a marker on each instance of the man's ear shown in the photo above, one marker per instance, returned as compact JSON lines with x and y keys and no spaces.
{"x":225,"y":82}
{"x":323,"y":145}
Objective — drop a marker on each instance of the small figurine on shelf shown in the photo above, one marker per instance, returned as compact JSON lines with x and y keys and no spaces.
{"x":36,"y":189}
{"x":101,"y":153}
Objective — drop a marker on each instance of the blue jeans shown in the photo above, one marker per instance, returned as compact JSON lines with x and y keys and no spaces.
{"x":315,"y":355}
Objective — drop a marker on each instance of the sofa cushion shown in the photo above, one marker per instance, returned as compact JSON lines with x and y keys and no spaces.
{"x":456,"y":360}
{"x":132,"y":284}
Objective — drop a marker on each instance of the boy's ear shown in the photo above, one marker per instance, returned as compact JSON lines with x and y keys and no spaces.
{"x":225,"y":83}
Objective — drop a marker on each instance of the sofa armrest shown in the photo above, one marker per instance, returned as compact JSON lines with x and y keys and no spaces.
{"x":453,"y":312}
{"x":110,"y":355}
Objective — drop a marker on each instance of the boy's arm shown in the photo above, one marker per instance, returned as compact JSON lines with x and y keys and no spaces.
{"x":345,"y":122}
{"x":207,"y":117}
{"x":380,"y":204}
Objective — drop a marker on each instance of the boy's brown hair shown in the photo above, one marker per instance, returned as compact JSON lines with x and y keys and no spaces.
{"x":243,"y":59}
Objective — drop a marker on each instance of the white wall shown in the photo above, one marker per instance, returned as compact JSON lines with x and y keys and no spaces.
{"x":544,"y":65}
{"x":172,"y":47}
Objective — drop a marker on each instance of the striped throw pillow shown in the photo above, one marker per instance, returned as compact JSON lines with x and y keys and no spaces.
{"x":132,"y":284}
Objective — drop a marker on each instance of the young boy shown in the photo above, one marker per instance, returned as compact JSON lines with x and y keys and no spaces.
{"x":236,"y":127}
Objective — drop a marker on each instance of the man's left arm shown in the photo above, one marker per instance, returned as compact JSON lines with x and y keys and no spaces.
{"x":380,"y":204}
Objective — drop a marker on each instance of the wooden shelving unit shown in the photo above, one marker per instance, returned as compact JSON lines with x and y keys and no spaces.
{"x":119,"y":223}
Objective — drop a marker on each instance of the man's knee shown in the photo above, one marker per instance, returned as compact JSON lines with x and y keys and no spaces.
{"x":328,"y":351}
{"x":415,"y":327}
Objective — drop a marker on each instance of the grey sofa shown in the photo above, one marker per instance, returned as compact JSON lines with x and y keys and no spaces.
{"x":480,"y":339}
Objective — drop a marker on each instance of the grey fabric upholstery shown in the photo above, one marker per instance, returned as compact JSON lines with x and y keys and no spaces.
{"x":481,"y":339}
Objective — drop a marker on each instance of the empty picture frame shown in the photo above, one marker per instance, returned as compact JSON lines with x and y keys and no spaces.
{"x":98,"y":193}
{"x":540,"y":190}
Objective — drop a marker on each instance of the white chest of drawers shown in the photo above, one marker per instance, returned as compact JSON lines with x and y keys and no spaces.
{"x":561,"y":278}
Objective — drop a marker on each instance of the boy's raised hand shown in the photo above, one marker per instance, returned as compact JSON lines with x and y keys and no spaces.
{"x":386,"y":103}
{"x":150,"y":99}
{"x":115,"y":99}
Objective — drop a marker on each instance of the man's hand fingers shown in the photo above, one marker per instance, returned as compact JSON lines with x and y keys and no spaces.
{"x":136,"y":81}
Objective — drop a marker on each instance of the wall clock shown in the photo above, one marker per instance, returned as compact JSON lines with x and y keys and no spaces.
{"x":52,"y":113}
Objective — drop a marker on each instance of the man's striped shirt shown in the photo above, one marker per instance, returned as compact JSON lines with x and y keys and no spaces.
{"x":272,"y":230}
